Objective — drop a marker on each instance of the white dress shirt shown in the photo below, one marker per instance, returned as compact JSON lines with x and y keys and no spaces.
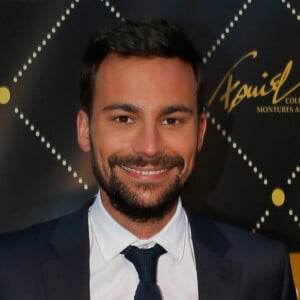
{"x":113,"y":277}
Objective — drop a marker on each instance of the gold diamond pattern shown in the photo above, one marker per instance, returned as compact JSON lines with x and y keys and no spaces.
{"x":277,"y":198}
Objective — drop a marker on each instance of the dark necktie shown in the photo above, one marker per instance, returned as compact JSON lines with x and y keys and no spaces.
{"x":145,"y":262}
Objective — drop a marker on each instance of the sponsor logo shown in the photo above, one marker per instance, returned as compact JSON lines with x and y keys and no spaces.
{"x":232,"y":91}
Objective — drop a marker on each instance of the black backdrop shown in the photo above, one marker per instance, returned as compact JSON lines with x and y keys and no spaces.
{"x":249,"y":170}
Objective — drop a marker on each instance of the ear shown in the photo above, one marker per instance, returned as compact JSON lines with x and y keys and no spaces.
{"x":201,"y":130}
{"x":83,"y":131}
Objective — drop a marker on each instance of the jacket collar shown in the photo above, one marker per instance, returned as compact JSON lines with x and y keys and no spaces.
{"x":66,"y":273}
{"x":218,"y":277}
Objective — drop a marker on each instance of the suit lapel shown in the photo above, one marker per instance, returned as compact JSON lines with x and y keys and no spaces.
{"x":218,"y":278}
{"x":66,"y":273}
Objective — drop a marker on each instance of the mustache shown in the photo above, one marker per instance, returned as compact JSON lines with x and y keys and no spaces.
{"x":164,"y":161}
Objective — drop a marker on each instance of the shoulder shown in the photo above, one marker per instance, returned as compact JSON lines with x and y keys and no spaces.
{"x":35,"y":240}
{"x":234,"y":241}
{"x":27,"y":242}
{"x":260,"y":260}
{"x":263,"y":263}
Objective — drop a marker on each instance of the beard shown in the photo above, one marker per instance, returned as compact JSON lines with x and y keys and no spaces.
{"x":129,"y":202}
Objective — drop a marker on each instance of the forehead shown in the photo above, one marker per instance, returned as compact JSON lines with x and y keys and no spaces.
{"x":144,"y":81}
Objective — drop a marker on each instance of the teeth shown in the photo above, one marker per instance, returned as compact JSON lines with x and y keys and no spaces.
{"x":143,"y":172}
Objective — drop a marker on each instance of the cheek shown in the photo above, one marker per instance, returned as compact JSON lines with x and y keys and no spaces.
{"x":109,"y":139}
{"x":186,"y":147}
{"x":101,"y":163}
{"x":190,"y":158}
{"x":189,"y":150}
{"x":105,"y":144}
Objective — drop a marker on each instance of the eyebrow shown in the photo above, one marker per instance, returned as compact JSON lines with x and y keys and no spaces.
{"x":126,"y":107}
{"x":176,"y":108}
{"x":134,"y":109}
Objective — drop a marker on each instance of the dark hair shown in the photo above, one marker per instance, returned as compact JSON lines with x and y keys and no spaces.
{"x":144,"y":38}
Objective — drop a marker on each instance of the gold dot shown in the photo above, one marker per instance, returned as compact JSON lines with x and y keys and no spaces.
{"x":278,"y":197}
{"x":4,"y":95}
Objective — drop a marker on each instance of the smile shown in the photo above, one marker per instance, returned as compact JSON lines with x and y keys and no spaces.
{"x":144,"y":172}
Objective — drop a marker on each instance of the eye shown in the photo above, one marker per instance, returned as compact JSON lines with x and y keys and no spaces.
{"x":171,"y":121}
{"x":124,"y":119}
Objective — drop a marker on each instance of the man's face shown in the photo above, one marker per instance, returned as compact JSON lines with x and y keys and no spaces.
{"x":143,"y":133}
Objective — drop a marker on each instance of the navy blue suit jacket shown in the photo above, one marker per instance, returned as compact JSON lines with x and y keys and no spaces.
{"x":50,"y":261}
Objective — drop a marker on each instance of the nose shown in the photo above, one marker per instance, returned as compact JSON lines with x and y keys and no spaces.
{"x":149,"y":141}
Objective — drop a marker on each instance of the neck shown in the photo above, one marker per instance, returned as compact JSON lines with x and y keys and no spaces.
{"x":141,"y":229}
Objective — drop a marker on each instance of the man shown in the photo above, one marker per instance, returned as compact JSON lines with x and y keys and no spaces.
{"x":143,"y":122}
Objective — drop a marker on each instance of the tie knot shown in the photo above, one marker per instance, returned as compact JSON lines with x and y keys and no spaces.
{"x":145,"y":261}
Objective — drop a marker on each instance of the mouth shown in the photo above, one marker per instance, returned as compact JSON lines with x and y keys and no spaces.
{"x":145,"y":172}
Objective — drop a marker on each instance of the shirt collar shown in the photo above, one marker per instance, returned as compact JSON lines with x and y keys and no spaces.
{"x":172,"y":236}
{"x":112,"y":238}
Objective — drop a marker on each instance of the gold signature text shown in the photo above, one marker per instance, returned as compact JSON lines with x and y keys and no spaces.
{"x":237,"y":91}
